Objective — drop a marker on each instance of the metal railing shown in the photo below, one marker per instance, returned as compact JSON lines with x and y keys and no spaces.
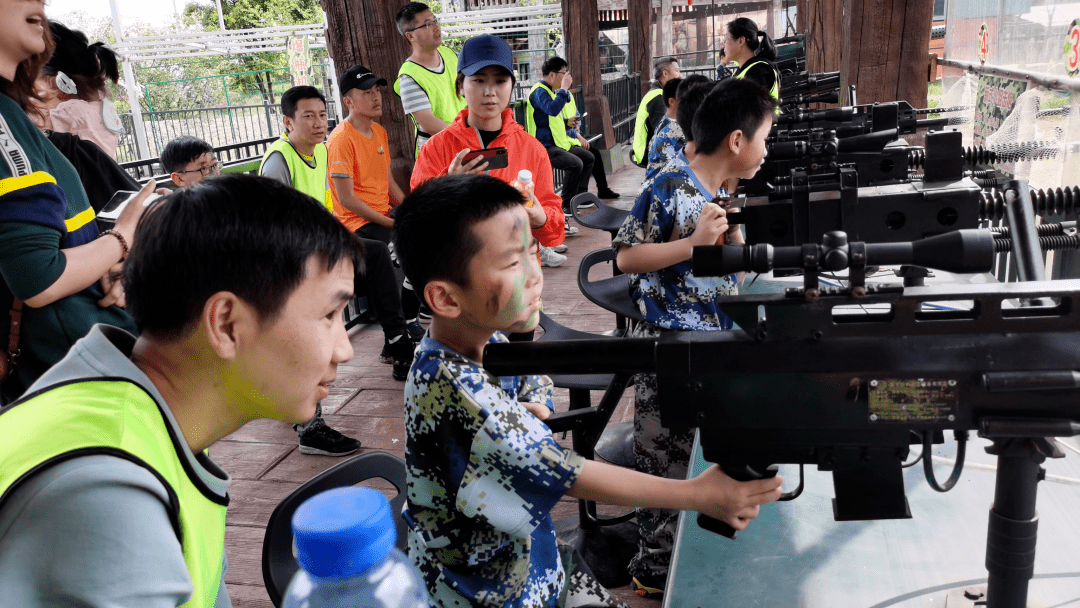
{"x":624,"y":96}
{"x":230,"y":156}
{"x":217,"y":126}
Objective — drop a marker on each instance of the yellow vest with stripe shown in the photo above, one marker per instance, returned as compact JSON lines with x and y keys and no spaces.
{"x":313,"y":181}
{"x":557,"y":124}
{"x":774,"y":92}
{"x":117,"y":417}
{"x":641,"y":135}
{"x":441,"y":89}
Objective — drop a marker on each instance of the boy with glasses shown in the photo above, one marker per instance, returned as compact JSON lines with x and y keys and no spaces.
{"x":189,"y":159}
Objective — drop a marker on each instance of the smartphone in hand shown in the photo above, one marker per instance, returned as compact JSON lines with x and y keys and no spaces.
{"x":112,"y":209}
{"x":496,"y":158}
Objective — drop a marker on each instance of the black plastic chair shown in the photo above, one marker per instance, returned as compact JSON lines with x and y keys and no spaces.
{"x":606,"y":543}
{"x":612,"y":443}
{"x":612,"y":293}
{"x":278,"y":561}
{"x":605,"y":217}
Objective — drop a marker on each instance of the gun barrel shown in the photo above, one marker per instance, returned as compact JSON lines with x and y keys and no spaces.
{"x":957,"y":251}
{"x":603,"y":356}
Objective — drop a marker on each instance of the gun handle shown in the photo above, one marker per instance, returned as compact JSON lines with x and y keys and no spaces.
{"x":715,"y":526}
{"x":741,"y":473}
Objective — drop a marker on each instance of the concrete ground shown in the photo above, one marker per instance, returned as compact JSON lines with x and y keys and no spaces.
{"x":366,"y":403}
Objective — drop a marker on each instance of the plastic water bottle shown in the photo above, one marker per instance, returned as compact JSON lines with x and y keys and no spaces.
{"x":524,"y":184}
{"x":345,"y":547}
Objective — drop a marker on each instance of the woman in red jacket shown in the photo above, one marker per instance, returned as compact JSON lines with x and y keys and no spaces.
{"x":485,"y":79}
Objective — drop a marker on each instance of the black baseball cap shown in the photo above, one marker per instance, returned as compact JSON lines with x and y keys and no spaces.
{"x":359,"y":77}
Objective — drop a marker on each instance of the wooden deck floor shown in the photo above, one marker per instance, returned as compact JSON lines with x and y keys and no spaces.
{"x":365,"y":403}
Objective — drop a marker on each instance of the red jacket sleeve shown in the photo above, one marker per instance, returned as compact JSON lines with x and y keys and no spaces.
{"x":554,"y":231}
{"x":432,"y":162}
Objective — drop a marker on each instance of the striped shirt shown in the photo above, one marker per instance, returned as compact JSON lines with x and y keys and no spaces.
{"x":414,"y":99}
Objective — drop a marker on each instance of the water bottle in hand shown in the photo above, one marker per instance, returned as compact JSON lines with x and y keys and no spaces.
{"x":344,"y":541}
{"x":524,"y":184}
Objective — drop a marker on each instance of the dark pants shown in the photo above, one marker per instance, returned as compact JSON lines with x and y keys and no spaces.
{"x":578,"y":164}
{"x":380,"y":284}
{"x":374,"y":231}
{"x":598,"y":173}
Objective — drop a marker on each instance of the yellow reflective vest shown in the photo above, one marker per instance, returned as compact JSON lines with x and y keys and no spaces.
{"x":640,"y":154}
{"x":118,"y":417}
{"x":557,"y":124}
{"x":774,"y":92}
{"x":313,"y":181}
{"x":440,"y":88}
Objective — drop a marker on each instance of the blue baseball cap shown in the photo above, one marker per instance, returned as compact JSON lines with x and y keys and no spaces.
{"x":479,"y":52}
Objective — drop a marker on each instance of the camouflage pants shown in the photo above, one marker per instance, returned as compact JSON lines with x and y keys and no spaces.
{"x":582,"y":589}
{"x":661,"y":452}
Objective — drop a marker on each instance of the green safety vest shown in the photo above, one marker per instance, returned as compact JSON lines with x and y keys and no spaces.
{"x":312,"y":181}
{"x":641,"y":135}
{"x":558,"y":125}
{"x":441,"y":89}
{"x":774,"y":92}
{"x":118,"y":417}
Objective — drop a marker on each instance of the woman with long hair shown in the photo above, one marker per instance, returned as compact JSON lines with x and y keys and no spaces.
{"x":755,"y":53}
{"x":73,"y":85}
{"x":59,"y":278}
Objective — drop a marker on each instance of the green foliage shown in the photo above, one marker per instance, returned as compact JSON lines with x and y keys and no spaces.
{"x":195,"y":91}
{"x":250,"y":71}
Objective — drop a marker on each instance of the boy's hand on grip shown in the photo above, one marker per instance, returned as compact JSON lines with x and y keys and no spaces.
{"x":711,"y":225}
{"x":733,"y":502}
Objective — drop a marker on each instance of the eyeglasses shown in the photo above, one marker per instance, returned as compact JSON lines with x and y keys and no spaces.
{"x":212,"y":169}
{"x":431,"y":23}
{"x":562,"y":73}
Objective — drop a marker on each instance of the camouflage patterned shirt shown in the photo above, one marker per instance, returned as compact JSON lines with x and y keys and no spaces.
{"x":667,"y":210}
{"x":483,"y":476}
{"x":666,"y":143}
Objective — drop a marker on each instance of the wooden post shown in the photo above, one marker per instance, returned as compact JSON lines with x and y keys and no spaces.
{"x":638,"y":13}
{"x":820,"y":21}
{"x":582,"y":40}
{"x":880,"y":46}
{"x":663,"y":29}
{"x":885,"y":52}
{"x":363,"y":31}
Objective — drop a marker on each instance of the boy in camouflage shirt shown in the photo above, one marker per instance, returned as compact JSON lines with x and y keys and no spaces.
{"x":668,"y":139}
{"x":484,"y":471}
{"x":675,"y":212}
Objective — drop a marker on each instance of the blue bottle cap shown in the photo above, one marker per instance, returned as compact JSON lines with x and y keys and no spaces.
{"x":343,"y":532}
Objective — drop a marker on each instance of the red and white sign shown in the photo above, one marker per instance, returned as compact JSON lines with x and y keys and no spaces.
{"x":1072,"y":49}
{"x":984,"y":43}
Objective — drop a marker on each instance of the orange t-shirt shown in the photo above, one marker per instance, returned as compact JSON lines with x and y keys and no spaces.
{"x":367,"y":161}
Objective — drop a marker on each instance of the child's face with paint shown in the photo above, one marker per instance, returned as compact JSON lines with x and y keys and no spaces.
{"x":504,"y":277}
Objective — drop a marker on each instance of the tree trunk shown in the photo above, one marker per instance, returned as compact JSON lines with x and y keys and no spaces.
{"x":820,"y":21}
{"x":582,"y":40}
{"x":880,"y":46}
{"x":364,"y":32}
{"x":638,"y":15}
{"x":885,"y":56}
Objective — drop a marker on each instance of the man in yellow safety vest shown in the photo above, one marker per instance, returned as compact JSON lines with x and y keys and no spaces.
{"x":426,"y":80}
{"x":107,"y":494}
{"x":651,"y":110}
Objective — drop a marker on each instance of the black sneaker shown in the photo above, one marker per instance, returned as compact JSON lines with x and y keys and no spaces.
{"x":414,"y":330}
{"x":607,"y":194}
{"x":586,"y":205}
{"x":424,"y":314}
{"x":399,"y":354}
{"x":325,"y":441}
